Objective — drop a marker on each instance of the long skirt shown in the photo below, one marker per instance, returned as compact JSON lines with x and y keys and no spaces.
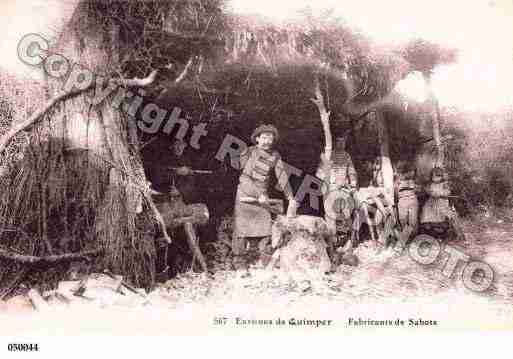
{"x":250,"y":220}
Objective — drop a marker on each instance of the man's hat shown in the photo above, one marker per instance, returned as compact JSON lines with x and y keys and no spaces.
{"x":264,"y":128}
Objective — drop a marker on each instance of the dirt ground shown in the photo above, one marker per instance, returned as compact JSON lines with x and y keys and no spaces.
{"x":385,"y":286}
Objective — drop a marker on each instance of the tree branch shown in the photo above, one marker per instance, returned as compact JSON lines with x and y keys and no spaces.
{"x":185,"y":71}
{"x":137,"y":82}
{"x":158,"y":216}
{"x":38,"y":116}
{"x":325,"y":118}
{"x":362,"y":110}
{"x":52,"y":259}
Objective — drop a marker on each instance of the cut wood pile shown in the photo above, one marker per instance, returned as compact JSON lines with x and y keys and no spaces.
{"x":97,"y":289}
{"x":381,"y":276}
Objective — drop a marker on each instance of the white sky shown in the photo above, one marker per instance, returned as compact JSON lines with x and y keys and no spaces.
{"x":481,"y":29}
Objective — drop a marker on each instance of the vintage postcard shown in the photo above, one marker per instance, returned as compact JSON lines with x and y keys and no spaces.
{"x":232,"y":167}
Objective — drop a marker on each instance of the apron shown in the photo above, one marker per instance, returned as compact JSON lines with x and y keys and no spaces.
{"x":252,"y":220}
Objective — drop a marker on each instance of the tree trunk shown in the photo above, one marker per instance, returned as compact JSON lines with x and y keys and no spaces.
{"x":325,"y":120}
{"x":386,"y":164}
{"x":435,"y":118}
{"x":325,"y":160}
{"x":100,"y":144}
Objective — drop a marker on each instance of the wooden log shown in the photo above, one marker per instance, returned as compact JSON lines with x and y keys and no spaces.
{"x":125,"y":284}
{"x":17,"y":304}
{"x":192,"y":239}
{"x":48,"y":260}
{"x":113,"y":282}
{"x":178,"y":214}
{"x":67,"y":289}
{"x":37,"y":301}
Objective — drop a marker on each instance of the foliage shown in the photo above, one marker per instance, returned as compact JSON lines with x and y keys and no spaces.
{"x":424,"y":56}
{"x":479,"y":158}
{"x":18,"y":99}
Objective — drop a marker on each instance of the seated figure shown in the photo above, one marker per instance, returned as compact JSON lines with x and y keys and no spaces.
{"x":438,"y":217}
{"x":375,"y":207}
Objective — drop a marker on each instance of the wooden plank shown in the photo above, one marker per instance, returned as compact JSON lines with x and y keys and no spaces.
{"x":192,"y":239}
{"x":37,"y":301}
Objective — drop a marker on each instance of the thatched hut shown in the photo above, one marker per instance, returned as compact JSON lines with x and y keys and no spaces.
{"x":83,"y":174}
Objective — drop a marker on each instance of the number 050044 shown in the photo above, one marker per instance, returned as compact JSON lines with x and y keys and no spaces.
{"x":18,"y":347}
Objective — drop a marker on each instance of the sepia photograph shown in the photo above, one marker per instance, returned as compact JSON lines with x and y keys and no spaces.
{"x":235,"y":167}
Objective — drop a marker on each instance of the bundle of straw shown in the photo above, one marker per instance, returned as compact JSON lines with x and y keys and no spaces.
{"x":62,"y":198}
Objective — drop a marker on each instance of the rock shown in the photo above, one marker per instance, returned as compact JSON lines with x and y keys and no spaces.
{"x":302,"y":246}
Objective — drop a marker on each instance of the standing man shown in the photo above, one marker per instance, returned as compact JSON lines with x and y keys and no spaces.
{"x":341,"y":178}
{"x":253,"y":220}
{"x":342,"y":181}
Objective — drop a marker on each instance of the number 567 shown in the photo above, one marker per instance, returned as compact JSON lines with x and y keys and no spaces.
{"x":220,"y":320}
